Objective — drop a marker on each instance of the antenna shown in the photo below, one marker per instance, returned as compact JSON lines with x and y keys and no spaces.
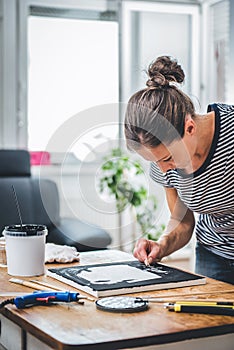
{"x":18,"y":207}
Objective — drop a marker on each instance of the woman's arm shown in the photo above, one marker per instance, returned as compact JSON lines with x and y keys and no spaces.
{"x":177,"y":234}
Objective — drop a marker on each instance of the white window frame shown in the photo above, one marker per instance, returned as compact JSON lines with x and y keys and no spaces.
{"x":8,"y":74}
{"x":14,"y":63}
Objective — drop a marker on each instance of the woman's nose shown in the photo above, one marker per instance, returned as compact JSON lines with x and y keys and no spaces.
{"x":166,"y":166}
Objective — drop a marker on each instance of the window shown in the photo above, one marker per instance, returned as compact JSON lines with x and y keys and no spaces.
{"x":154,"y":29}
{"x":129,"y":23}
{"x":216,"y":70}
{"x":219,"y":44}
{"x":73,"y":66}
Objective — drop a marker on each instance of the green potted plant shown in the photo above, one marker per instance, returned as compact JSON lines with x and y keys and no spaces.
{"x":116,"y":180}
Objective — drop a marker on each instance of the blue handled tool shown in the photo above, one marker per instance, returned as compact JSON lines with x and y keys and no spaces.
{"x":43,"y":298}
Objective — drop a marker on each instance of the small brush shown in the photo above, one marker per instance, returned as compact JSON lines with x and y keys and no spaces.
{"x":18,"y":207}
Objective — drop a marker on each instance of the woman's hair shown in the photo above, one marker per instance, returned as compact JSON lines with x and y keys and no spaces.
{"x":157,"y":113}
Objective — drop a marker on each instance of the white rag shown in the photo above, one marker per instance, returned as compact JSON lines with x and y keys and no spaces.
{"x":60,"y":253}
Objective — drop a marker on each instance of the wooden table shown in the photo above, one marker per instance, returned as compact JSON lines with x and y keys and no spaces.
{"x":74,"y":326}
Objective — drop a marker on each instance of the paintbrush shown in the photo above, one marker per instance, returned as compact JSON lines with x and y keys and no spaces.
{"x":33,"y":285}
{"x":45,"y":284}
{"x":13,"y":294}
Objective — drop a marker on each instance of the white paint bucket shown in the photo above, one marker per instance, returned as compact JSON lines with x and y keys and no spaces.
{"x":25,"y":249}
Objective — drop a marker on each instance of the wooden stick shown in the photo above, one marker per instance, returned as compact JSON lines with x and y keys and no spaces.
{"x":45,"y":284}
{"x":30,"y":284}
{"x":171,"y":300}
{"x":191,"y":294}
{"x":13,"y":294}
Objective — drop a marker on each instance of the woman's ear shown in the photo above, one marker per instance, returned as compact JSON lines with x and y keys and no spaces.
{"x":190,"y":126}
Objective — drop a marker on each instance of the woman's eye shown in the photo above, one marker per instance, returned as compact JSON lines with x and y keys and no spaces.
{"x":167,"y":159}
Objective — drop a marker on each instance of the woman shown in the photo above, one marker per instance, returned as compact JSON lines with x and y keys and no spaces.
{"x":192,"y":156}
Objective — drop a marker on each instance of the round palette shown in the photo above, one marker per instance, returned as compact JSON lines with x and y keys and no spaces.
{"x":122,"y":304}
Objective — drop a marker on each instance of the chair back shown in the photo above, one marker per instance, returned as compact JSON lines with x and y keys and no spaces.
{"x":38,"y":198}
{"x":14,"y":163}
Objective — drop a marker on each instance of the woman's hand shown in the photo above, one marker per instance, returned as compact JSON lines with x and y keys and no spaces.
{"x":147,"y":251}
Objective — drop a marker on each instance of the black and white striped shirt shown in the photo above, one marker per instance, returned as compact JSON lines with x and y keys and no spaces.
{"x":210,"y":190}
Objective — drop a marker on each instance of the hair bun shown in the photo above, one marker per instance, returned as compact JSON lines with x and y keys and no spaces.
{"x":163,"y":71}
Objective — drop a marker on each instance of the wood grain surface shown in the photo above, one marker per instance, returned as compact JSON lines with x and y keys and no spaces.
{"x":67,"y":326}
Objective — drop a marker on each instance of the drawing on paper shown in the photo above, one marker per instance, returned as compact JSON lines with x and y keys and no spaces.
{"x":115,"y":274}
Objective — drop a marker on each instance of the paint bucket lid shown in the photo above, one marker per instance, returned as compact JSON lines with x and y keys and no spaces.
{"x":25,"y":230}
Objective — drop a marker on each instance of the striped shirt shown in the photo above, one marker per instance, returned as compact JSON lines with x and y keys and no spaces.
{"x":209,"y":191}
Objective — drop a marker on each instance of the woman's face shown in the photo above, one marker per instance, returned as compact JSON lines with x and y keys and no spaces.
{"x":177,"y":155}
{"x":174,"y":156}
